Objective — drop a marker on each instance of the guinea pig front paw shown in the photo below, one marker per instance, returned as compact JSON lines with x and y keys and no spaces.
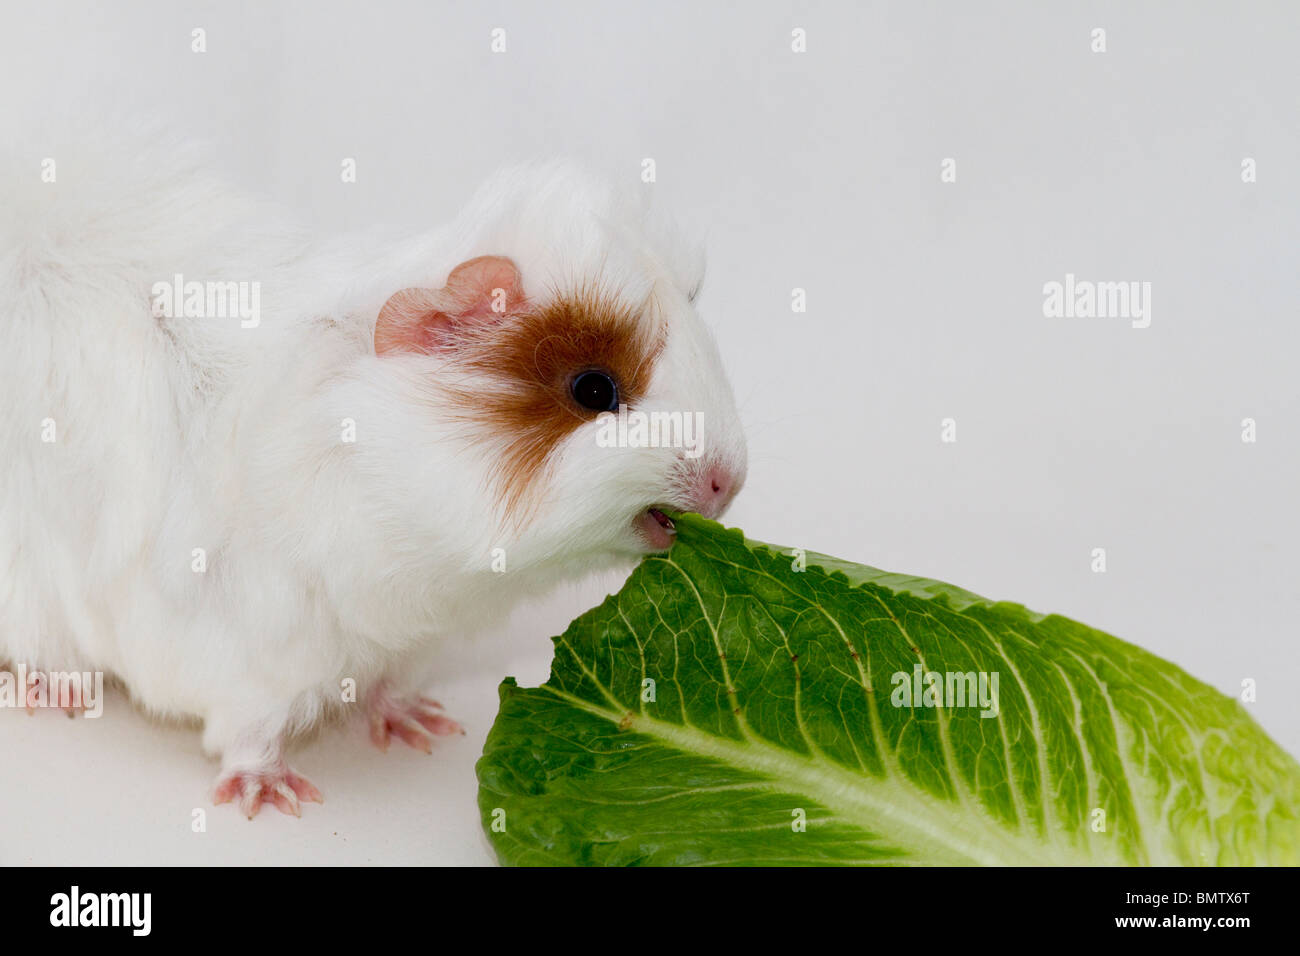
{"x":279,"y":786}
{"x":413,"y":720}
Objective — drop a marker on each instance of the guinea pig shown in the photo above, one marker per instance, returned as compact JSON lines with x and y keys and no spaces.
{"x":245,"y":467}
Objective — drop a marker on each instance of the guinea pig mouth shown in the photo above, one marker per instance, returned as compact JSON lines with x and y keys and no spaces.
{"x":656,"y":528}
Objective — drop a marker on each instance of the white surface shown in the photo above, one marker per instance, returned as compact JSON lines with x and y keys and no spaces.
{"x":925,"y":301}
{"x":122,"y":789}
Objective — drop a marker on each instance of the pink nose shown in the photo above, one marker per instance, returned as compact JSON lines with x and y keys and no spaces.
{"x":714,"y":487}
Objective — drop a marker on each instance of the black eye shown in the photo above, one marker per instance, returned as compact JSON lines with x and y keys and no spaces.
{"x":595,"y":390}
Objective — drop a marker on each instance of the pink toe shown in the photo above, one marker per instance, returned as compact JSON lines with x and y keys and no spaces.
{"x":379,"y":731}
{"x":413,"y":736}
{"x":304,"y":788}
{"x":443,"y":726}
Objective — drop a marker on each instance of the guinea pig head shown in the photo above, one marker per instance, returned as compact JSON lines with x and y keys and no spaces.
{"x":600,"y":409}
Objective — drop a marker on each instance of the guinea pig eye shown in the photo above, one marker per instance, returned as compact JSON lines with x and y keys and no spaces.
{"x":595,"y":390}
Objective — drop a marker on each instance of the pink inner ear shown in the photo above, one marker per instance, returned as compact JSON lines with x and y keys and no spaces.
{"x":420,"y":320}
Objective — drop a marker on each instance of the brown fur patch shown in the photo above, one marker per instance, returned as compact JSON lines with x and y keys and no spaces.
{"x":527,"y":361}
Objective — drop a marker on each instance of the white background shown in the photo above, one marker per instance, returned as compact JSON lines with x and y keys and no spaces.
{"x":818,"y":171}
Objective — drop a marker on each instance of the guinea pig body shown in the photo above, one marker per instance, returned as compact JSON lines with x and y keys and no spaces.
{"x":243,"y":465}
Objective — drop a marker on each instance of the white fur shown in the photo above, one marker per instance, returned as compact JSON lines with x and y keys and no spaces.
{"x":325,"y":559}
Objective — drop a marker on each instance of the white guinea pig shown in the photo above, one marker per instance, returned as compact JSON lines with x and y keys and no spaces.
{"x":242,"y":467}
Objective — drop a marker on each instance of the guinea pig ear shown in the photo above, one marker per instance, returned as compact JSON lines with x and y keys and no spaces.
{"x":422,"y":320}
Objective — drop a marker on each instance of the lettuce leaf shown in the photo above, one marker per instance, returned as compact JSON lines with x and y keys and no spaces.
{"x":729,"y":708}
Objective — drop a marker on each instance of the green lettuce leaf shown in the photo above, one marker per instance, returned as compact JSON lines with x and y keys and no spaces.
{"x":727,"y":707}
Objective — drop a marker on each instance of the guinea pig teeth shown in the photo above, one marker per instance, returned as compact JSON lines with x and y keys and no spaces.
{"x":665,"y":522}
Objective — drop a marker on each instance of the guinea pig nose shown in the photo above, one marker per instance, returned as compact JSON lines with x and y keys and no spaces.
{"x":714,"y":488}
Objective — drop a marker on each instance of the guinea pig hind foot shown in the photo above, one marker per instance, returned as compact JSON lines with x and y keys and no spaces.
{"x":278,"y":785}
{"x":414,"y":720}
